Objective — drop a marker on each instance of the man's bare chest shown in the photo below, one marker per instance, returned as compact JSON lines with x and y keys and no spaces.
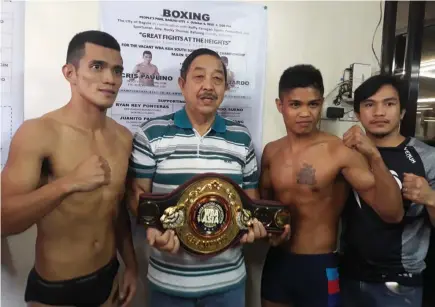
{"x":147,"y":70}
{"x":302,"y":175}
{"x":69,"y":153}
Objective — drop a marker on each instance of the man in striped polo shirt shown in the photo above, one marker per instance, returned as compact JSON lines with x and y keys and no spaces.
{"x":167,"y":152}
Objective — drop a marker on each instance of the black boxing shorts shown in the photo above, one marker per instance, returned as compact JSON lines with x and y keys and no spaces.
{"x":300,"y":280}
{"x":86,"y":291}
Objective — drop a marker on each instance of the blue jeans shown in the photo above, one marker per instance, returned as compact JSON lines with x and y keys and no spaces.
{"x":362,"y":294}
{"x":231,"y":298}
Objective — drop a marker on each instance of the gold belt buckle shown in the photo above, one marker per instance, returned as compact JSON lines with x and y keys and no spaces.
{"x":211,"y":213}
{"x":208,"y":217}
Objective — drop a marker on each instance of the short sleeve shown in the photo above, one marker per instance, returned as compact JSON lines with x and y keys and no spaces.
{"x":427,"y":155}
{"x":142,"y":162}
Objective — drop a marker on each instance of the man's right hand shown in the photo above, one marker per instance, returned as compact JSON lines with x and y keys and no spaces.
{"x":276,"y":240}
{"x":89,"y":175}
{"x":167,"y":241}
{"x":355,"y":138}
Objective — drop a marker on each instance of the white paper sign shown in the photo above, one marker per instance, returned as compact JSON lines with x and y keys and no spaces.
{"x":12,"y":72}
{"x":156,"y":37}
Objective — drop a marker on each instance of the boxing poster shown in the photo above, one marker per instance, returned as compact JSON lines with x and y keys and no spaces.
{"x":12,"y":72}
{"x":156,"y":37}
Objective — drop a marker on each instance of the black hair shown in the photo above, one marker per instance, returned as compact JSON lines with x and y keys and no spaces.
{"x":76,"y":47}
{"x":369,"y":87}
{"x":196,"y":53}
{"x":147,"y":52}
{"x":302,"y":75}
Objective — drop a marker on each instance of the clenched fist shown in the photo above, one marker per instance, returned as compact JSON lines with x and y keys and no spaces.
{"x":355,"y":138}
{"x":417,"y":190}
{"x":89,"y":175}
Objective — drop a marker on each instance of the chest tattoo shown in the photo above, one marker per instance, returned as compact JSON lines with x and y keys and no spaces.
{"x":307,"y":175}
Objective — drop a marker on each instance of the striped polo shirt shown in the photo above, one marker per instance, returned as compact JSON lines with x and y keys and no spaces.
{"x":169,"y":151}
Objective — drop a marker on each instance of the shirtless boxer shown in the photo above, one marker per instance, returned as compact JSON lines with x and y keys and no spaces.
{"x":308,"y":170}
{"x":66,"y":173}
{"x":146,"y":70}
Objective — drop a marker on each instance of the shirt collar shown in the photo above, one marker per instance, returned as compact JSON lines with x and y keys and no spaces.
{"x":181,"y":120}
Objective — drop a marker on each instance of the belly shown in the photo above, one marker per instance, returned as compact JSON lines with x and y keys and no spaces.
{"x":78,"y":252}
{"x":314,"y":231}
{"x":314,"y":221}
{"x":76,"y":238}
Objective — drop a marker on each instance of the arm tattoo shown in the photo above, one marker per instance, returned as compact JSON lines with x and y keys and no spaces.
{"x":307,"y":175}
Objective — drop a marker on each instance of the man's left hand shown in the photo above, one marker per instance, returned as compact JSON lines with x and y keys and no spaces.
{"x":417,"y":190}
{"x":128,"y":287}
{"x":355,"y":138}
{"x":256,"y":231}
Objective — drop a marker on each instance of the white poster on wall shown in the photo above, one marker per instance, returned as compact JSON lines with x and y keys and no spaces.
{"x":11,"y":117}
{"x":12,"y":72}
{"x":156,"y":37}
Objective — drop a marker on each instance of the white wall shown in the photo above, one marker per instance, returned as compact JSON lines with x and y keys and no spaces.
{"x":329,"y":35}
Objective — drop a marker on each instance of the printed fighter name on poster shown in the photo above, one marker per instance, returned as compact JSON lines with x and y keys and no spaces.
{"x":156,"y":37}
{"x":163,"y":107}
{"x":133,"y":114}
{"x":131,"y":122}
{"x":241,"y":115}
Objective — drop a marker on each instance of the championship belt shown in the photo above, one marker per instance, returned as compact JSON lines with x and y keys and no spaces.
{"x":209,"y":213}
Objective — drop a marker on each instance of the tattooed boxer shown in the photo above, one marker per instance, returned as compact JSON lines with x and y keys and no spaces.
{"x":312,"y":171}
